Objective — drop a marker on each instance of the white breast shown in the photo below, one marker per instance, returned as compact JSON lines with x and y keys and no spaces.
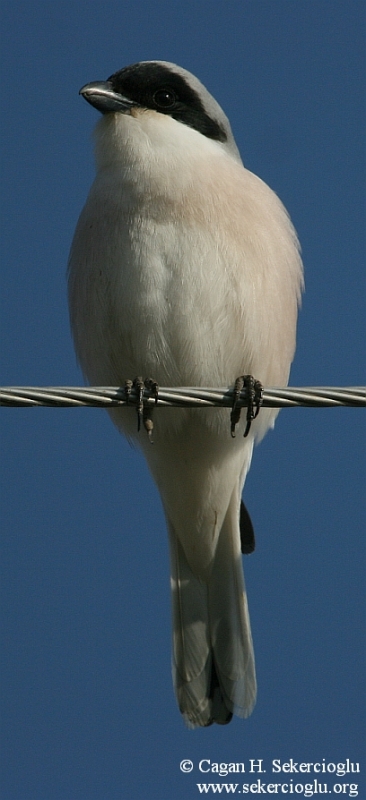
{"x":184,"y":265}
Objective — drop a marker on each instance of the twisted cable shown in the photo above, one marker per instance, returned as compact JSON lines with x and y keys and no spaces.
{"x":189,"y":397}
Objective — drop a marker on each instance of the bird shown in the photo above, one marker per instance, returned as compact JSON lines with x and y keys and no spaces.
{"x":186,"y":269}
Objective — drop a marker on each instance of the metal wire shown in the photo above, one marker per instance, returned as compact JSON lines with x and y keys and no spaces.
{"x":189,"y":397}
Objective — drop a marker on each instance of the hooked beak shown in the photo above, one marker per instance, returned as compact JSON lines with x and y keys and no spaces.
{"x":102,"y":96}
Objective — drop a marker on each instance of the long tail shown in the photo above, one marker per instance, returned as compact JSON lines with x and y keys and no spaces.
{"x":213,"y":659}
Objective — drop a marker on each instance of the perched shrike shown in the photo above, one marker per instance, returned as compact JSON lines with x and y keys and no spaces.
{"x":185,"y":268}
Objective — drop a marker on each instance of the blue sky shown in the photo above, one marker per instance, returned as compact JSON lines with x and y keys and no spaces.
{"x":88,"y":711}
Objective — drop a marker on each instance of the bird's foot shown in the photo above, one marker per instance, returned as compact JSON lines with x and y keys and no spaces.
{"x":144,"y":412}
{"x":254,"y":396}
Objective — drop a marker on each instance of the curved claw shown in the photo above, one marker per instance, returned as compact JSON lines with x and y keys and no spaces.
{"x":138,"y":385}
{"x":235,"y":411}
{"x":153,"y":387}
{"x":144,"y":412}
{"x":255,"y":399}
{"x":254,"y":396}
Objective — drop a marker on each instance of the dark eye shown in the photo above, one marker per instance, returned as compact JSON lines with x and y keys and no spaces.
{"x":165,"y":98}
